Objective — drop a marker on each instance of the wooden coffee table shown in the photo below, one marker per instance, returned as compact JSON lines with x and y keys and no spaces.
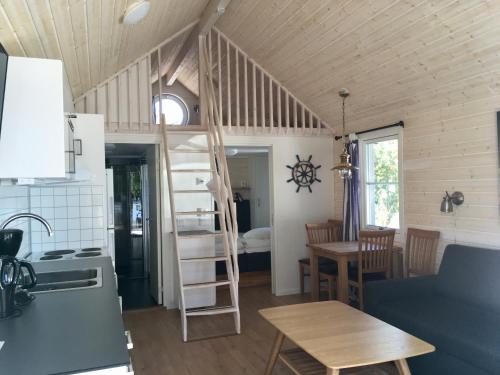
{"x":332,"y":336}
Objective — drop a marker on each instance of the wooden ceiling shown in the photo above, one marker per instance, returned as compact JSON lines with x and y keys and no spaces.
{"x":88,"y":35}
{"x":391,"y":54}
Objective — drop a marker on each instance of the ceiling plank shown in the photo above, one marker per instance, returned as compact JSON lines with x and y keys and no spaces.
{"x":42,"y":19}
{"x":212,"y":12}
{"x":21,"y":21}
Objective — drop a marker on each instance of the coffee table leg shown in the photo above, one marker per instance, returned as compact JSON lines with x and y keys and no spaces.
{"x":402,"y":366}
{"x":275,"y":351}
{"x":331,"y":371}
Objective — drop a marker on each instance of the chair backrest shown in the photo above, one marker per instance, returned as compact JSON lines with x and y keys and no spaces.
{"x":375,"y":250}
{"x":339,"y":224}
{"x":324,"y":232}
{"x":420,"y":251}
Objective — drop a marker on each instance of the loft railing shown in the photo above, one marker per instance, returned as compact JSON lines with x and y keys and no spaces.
{"x":248,"y":99}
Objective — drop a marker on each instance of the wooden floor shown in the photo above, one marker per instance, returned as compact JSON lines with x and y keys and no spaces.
{"x":158,"y":348}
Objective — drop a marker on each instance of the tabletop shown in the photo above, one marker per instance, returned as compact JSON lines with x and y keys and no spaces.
{"x":340,"y":336}
{"x":344,"y":247}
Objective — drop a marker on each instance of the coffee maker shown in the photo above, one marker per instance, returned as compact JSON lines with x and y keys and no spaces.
{"x":15,"y":275}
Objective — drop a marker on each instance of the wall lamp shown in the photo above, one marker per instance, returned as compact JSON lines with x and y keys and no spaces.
{"x":457,"y":198}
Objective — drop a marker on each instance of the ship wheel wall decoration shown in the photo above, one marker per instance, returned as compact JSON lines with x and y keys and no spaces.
{"x":303,"y":173}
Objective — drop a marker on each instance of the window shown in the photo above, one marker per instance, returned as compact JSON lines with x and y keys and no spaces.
{"x":173,"y":108}
{"x":381,"y":181}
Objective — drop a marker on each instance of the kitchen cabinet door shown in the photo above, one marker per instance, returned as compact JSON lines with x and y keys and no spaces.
{"x":32,"y":136}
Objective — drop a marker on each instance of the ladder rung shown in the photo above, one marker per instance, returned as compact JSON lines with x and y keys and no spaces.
{"x":205,"y":259}
{"x":207,"y":284}
{"x":186,"y":213}
{"x":178,"y":151}
{"x":198,"y":233}
{"x":211,"y":310}
{"x":192,"y":170}
{"x":192,"y":191}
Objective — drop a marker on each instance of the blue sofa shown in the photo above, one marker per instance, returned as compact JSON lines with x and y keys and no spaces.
{"x":457,"y":310}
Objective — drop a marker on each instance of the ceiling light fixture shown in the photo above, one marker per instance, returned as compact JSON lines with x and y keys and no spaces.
{"x":345,"y":168}
{"x":136,"y":12}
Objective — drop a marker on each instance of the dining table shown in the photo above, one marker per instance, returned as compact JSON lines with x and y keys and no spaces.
{"x":342,"y":253}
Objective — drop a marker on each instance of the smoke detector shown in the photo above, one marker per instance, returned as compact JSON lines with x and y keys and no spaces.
{"x":136,"y":12}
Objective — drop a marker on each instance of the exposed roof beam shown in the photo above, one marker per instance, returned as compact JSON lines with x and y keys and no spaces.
{"x":212,"y":12}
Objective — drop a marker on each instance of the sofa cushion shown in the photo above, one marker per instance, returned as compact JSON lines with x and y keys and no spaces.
{"x":470,"y":274}
{"x":459,"y":329}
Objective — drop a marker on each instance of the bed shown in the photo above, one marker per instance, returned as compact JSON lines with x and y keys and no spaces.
{"x":254,"y":251}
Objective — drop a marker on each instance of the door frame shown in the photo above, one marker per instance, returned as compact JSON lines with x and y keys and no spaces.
{"x":228,"y":143}
{"x":164,"y":273}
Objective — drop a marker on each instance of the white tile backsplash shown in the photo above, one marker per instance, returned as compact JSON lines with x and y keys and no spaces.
{"x":74,"y":212}
{"x":78,"y":220}
{"x":13,"y":200}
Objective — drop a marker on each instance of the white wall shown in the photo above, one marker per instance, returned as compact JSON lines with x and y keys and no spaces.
{"x":67,"y":94}
{"x":252,"y":170}
{"x":291,"y":210}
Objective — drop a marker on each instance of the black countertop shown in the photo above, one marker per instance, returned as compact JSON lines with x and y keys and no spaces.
{"x":66,"y":332}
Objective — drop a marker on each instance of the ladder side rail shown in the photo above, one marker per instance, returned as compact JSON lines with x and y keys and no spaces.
{"x":222,"y":161}
{"x":219,"y":197}
{"x":223,"y":194}
{"x":175,"y":233}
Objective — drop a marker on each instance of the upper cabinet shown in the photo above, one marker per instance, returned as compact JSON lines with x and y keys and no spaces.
{"x":32,"y":138}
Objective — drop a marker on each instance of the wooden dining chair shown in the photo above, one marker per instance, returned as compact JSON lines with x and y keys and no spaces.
{"x":374,"y":258}
{"x":420,"y":252}
{"x":339,"y":224}
{"x":321,"y":233}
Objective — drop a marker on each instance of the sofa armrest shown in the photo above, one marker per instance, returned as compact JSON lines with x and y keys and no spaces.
{"x":377,"y":292}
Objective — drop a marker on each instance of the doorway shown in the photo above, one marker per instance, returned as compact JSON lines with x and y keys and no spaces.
{"x":136,"y":207}
{"x":248,"y":169}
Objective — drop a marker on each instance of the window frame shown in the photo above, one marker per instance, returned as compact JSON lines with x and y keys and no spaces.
{"x":366,"y":139}
{"x":176,"y":98}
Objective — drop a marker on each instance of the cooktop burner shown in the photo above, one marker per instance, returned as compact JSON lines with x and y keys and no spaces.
{"x":59,"y":252}
{"x":51,"y":257}
{"x":88,"y":254}
{"x":91,"y":249}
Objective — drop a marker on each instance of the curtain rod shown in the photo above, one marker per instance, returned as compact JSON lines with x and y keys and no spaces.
{"x":400,"y":123}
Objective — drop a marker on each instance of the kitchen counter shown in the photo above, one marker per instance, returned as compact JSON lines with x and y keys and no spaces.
{"x":66,"y":332}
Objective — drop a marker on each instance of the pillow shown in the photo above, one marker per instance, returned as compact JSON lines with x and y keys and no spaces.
{"x":258,"y":233}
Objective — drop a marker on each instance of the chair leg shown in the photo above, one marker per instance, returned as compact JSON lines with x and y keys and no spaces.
{"x":330,"y":288}
{"x":301,"y":272}
{"x":360,"y":298}
{"x":333,"y":289}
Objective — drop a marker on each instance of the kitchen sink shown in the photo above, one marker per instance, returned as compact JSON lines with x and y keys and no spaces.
{"x":68,"y":280}
{"x":62,"y":276}
{"x":64,"y":286}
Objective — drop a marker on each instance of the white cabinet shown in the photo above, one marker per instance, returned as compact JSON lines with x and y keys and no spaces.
{"x":32,"y":135}
{"x":90,"y":165}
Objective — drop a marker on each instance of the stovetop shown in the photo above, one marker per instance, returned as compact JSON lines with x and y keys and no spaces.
{"x":89,"y":252}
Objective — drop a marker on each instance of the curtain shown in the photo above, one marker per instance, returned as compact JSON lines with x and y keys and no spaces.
{"x":351,"y":196}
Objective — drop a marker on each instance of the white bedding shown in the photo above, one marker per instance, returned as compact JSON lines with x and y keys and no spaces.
{"x":250,"y":250}
{"x":219,"y":246}
{"x":247,"y":244}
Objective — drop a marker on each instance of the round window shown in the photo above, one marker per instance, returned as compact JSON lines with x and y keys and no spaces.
{"x":174,"y":110}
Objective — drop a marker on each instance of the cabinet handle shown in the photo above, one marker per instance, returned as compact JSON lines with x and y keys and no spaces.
{"x":130,"y":344}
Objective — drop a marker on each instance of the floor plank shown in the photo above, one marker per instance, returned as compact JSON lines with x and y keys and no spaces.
{"x":158,"y":348}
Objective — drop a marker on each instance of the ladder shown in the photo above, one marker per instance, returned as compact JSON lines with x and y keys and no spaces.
{"x":226,"y":209}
